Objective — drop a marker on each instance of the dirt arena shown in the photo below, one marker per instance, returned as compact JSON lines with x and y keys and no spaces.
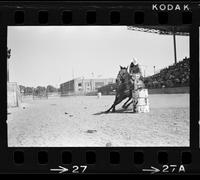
{"x":80,"y":121}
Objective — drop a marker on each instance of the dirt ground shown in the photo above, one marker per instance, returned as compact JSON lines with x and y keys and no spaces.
{"x":80,"y":121}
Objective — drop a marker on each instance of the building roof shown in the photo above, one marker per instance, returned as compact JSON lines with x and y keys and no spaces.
{"x":163,"y":30}
{"x":89,"y":79}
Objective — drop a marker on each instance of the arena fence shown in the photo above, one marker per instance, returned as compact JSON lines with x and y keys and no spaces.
{"x":14,"y":98}
{"x":32,"y":96}
{"x":40,"y":96}
{"x":53,"y":94}
{"x":172,"y":90}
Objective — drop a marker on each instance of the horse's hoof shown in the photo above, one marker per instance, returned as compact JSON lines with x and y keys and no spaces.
{"x":124,"y":107}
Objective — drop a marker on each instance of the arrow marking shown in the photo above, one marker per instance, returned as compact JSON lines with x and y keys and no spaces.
{"x":152,"y":170}
{"x":61,"y":170}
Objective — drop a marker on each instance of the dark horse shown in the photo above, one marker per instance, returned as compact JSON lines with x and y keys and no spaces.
{"x":124,"y":87}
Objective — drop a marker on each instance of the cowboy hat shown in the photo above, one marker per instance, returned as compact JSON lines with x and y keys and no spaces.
{"x":134,"y":61}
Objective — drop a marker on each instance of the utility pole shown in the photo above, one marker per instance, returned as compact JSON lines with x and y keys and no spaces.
{"x":8,"y":57}
{"x":174,"y":40}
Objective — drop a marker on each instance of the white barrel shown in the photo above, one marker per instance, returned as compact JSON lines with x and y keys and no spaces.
{"x":141,"y":101}
{"x":143,"y":93}
{"x":142,"y":109}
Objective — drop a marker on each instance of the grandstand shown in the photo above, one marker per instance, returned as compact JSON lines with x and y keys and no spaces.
{"x":174,"y":76}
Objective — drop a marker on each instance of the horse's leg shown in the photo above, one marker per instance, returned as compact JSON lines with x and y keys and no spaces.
{"x":110,"y":108}
{"x":113,"y":105}
{"x":128,"y":104}
{"x":131,"y":103}
{"x":124,"y":105}
{"x":117,"y":101}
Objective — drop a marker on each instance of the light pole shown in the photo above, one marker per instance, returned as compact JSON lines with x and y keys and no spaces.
{"x":144,"y":70}
{"x":174,"y":40}
{"x":8,"y":57}
{"x":154,"y":71}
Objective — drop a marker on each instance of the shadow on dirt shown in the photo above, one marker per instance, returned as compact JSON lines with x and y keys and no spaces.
{"x":116,"y":111}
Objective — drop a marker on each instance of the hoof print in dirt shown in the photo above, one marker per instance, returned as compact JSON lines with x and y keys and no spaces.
{"x":66,"y":113}
{"x":109,"y":144}
{"x":70,"y":115}
{"x":91,"y":131}
{"x":24,"y":108}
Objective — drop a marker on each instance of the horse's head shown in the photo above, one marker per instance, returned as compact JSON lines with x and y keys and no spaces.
{"x":122,"y":75}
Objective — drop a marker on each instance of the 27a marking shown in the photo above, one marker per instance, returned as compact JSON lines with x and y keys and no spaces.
{"x":172,"y":168}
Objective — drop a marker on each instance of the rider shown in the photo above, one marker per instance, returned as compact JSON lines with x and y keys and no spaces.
{"x":135,"y":72}
{"x":134,"y":67}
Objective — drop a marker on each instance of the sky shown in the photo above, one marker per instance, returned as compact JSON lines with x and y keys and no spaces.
{"x":43,"y":55}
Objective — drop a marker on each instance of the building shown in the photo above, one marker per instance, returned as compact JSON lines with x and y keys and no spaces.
{"x":14,"y":98}
{"x":81,"y":86}
{"x":108,"y":89}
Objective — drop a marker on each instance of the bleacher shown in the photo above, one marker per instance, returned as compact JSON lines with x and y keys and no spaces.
{"x":176,"y":75}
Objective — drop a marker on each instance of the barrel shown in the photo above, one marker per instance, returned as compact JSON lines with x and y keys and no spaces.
{"x":140,"y":101}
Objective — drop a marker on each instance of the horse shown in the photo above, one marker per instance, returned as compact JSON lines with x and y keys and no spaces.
{"x":125,"y":85}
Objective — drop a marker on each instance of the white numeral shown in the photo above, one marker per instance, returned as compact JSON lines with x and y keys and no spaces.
{"x":75,"y":169}
{"x":84,"y":168}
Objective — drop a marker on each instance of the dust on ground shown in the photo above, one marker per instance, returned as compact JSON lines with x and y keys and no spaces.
{"x":80,"y":121}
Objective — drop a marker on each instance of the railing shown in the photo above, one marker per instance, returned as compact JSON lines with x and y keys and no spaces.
{"x":26,"y":96}
{"x":13,"y":94}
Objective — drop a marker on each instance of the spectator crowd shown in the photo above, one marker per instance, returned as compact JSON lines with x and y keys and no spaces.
{"x":176,"y":75}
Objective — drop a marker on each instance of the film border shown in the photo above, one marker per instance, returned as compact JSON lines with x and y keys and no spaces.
{"x":126,"y":154}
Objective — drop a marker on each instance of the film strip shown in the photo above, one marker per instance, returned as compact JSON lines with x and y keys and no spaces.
{"x":54,"y":120}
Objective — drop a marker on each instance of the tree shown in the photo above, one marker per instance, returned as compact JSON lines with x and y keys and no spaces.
{"x":22,"y":88}
{"x":40,"y":90}
{"x":51,"y":88}
{"x":8,"y":53}
{"x":28,"y":90}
